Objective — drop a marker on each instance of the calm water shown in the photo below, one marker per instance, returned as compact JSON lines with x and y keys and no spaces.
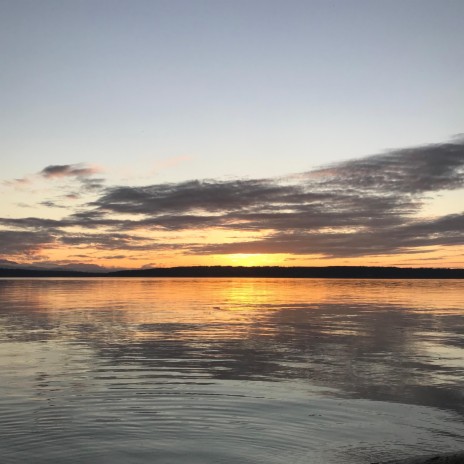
{"x":229,"y":370}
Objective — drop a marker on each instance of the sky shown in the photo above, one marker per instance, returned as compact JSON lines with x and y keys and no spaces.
{"x":163,"y":133}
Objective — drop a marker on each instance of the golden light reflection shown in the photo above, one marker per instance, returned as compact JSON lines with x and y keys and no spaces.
{"x":170,"y":299}
{"x":196,"y":311}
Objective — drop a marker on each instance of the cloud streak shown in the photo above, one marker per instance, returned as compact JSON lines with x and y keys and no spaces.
{"x":68,"y":170}
{"x":412,"y":170}
{"x":26,"y":243}
{"x":82,"y":174}
{"x":383,"y":241}
{"x":362,"y":207}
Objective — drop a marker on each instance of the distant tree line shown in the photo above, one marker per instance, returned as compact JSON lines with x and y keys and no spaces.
{"x":334,"y":272}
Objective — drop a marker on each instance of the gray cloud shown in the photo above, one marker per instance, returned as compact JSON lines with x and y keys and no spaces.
{"x":361,"y":207}
{"x":413,"y":170}
{"x":68,"y":170}
{"x":381,"y":241}
{"x":81,"y":173}
{"x":90,"y":185}
{"x":375,"y":183}
{"x":51,"y":204}
{"x":115,"y":242}
{"x":208,"y":195}
{"x":25,"y":243}
{"x":22,"y":182}
{"x":33,"y":223}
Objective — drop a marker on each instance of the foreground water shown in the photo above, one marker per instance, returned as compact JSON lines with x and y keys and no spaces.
{"x":229,"y":370}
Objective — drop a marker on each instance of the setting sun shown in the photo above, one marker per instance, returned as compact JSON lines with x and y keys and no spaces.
{"x":252,"y":259}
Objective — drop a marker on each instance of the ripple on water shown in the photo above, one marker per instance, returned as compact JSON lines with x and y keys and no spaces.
{"x":220,"y":422}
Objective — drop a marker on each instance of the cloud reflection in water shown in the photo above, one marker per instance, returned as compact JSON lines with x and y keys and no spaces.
{"x":398,"y":341}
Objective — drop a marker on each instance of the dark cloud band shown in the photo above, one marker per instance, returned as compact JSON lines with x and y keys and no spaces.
{"x":361,"y":207}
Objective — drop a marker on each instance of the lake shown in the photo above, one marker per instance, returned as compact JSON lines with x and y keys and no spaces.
{"x":229,"y":370}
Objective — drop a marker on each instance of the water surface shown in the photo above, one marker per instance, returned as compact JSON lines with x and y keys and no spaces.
{"x":229,"y":370}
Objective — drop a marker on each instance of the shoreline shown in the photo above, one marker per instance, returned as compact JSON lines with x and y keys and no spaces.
{"x":448,"y":458}
{"x":324,"y":272}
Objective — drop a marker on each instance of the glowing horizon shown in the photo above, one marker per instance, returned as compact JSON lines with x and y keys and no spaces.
{"x":376,"y":210}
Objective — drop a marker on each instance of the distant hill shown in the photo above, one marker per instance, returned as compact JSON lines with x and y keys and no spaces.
{"x":334,"y":272}
{"x":24,"y":272}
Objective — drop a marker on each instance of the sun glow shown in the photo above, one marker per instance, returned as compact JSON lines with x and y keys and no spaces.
{"x":254,"y":259}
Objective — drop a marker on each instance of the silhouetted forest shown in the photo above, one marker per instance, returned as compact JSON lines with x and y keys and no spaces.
{"x":334,"y":272}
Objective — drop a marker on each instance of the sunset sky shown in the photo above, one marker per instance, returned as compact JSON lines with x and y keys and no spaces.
{"x":164,"y":133}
